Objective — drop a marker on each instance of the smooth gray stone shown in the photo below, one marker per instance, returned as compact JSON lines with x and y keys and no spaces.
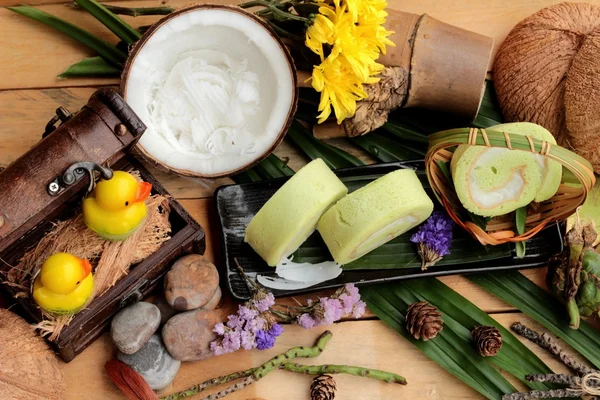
{"x":154,"y":363}
{"x":131,"y":327}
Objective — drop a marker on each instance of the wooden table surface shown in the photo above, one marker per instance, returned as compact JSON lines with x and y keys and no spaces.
{"x":32,"y":55}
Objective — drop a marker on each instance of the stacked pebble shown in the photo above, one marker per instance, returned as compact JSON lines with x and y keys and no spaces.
{"x":186,"y":315}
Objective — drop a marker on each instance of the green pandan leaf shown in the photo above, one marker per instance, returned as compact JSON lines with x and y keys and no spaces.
{"x":526,"y":296}
{"x":91,"y":67}
{"x":314,"y":148}
{"x":452,"y":348}
{"x":116,"y":25}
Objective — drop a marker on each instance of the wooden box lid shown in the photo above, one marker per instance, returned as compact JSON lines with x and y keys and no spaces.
{"x":34,"y":185}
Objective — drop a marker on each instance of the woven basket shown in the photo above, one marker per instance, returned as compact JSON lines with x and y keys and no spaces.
{"x":502,"y":229}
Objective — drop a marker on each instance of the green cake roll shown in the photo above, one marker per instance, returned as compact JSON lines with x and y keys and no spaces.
{"x":374,"y":215}
{"x":491,"y":181}
{"x":290,"y":216}
{"x":550,"y":170}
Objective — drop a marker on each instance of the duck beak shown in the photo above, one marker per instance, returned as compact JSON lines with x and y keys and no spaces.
{"x":143,"y":192}
{"x":87,"y":268}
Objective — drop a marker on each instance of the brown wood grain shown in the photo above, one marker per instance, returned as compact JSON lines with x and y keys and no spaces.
{"x":33,"y":55}
{"x":364,"y":343}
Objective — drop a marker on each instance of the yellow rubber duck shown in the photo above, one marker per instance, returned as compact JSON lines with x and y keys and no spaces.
{"x":116,"y":208}
{"x":64,"y":285}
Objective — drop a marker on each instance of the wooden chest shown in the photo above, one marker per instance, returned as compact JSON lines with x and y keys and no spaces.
{"x":47,"y":185}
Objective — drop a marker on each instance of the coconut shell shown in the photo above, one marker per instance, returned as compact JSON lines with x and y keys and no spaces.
{"x":139,"y":149}
{"x":28,"y":368}
{"x":547,"y":54}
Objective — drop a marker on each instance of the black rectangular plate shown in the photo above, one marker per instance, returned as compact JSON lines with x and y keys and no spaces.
{"x":237,"y":205}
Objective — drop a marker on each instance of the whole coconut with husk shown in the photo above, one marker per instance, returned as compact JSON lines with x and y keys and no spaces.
{"x":546,"y":72}
{"x":28,"y":368}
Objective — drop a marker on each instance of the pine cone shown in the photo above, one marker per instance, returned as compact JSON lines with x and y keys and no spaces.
{"x":423,"y":320}
{"x":487,"y":340}
{"x":322,"y":388}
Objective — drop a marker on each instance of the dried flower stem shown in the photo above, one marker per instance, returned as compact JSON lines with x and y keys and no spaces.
{"x":231,"y":389}
{"x":543,"y":394}
{"x":260,"y":372}
{"x":210,"y":383}
{"x":546,"y":342}
{"x":344,"y":369}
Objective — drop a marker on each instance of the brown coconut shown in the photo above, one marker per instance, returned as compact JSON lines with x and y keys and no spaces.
{"x":28,"y":368}
{"x":546,"y":72}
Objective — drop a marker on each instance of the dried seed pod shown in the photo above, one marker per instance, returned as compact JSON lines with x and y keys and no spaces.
{"x":423,"y":320}
{"x":322,"y":388}
{"x":487,"y":340}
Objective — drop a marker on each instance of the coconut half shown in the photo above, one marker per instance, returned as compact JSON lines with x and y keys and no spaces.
{"x":216,"y":88}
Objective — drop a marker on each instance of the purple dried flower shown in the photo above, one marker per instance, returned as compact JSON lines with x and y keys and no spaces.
{"x":255,"y":325}
{"x":306,"y":321}
{"x":332,"y":310}
{"x":248,"y":340}
{"x":264,"y":340}
{"x":264,"y":301}
{"x":276,"y":330}
{"x":232,"y":341}
{"x":433,"y":238}
{"x":234,"y":322}
{"x":216,"y":348}
{"x":219,"y":329}
{"x":359,"y":309}
{"x":247,"y":314}
{"x":349,"y":298}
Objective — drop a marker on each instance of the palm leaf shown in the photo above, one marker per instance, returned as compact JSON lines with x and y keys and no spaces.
{"x":521,"y":293}
{"x":89,"y":67}
{"x":385,"y":149}
{"x":314,"y":148}
{"x":106,"y":50}
{"x":448,"y":349}
{"x":452,"y":348}
{"x":116,"y":25}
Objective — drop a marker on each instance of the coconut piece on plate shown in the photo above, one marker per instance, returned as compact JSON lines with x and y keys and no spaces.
{"x":290,"y":216}
{"x":492,"y":181}
{"x":294,"y":276}
{"x":550,"y":170}
{"x":374,"y":215}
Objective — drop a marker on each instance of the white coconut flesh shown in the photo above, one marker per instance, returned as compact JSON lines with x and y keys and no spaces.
{"x":294,"y":276}
{"x":214,"y":88}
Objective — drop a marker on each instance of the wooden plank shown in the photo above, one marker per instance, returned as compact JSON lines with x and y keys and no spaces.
{"x":365,"y":343}
{"x":33,"y":55}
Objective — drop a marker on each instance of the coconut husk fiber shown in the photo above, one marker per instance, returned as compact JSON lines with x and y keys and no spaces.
{"x":28,"y":368}
{"x":547,"y":72}
{"x":110,"y":260}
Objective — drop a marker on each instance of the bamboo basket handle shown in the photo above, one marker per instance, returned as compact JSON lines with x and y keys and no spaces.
{"x":559,"y":207}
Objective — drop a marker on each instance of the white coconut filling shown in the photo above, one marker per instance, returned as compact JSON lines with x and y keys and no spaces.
{"x":214,"y":89}
{"x":490,"y":199}
{"x":384,"y":235}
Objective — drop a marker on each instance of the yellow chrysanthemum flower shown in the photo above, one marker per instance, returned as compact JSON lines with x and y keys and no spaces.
{"x":320,"y":32}
{"x":354,"y":33}
{"x":339,"y":88}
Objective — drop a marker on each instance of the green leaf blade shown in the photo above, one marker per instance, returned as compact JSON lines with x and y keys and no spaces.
{"x":116,"y":25}
{"x":521,"y":293}
{"x":314,"y":148}
{"x":109,"y":52}
{"x":91,"y":67}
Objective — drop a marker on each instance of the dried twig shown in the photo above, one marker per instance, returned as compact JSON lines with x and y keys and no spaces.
{"x":546,"y":342}
{"x":231,"y":389}
{"x":543,"y":394}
